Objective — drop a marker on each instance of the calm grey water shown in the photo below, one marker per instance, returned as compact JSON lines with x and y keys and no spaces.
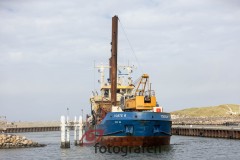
{"x":186,"y":148}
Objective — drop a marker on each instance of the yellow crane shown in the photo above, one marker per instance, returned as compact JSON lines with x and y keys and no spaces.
{"x":143,"y":98}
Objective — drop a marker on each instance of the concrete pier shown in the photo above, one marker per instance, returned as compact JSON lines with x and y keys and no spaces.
{"x":230,"y":132}
{"x":32,"y":129}
{"x":17,"y":127}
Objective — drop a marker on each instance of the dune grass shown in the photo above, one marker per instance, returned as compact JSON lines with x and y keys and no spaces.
{"x":225,"y":110}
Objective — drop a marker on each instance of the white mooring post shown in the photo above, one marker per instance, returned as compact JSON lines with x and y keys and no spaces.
{"x":75,"y":131}
{"x":63,"y":130}
{"x":67,"y":144}
{"x":80,"y":130}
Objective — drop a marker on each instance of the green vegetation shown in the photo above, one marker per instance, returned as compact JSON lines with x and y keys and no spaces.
{"x":225,"y":110}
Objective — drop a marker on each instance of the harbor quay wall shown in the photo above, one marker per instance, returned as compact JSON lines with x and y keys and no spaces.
{"x":207,"y":131}
{"x":32,"y":129}
{"x":214,"y":131}
{"x":205,"y":120}
{"x":17,"y":127}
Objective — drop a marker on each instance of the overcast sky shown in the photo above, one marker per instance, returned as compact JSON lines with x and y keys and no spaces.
{"x":190,"y":49}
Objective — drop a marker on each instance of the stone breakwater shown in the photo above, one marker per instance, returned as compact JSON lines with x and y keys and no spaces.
{"x":16,"y":141}
{"x":205,"y":120}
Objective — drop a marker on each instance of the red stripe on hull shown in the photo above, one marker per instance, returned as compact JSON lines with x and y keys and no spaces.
{"x":134,"y":141}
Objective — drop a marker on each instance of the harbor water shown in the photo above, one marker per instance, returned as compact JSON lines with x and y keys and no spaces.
{"x":182,"y":147}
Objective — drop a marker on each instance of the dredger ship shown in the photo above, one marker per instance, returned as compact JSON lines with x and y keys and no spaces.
{"x":126,"y":113}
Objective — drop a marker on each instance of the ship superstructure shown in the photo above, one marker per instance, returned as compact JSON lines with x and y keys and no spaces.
{"x":127,"y":112}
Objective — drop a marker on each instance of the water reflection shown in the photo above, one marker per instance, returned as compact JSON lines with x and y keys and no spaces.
{"x":182,"y":147}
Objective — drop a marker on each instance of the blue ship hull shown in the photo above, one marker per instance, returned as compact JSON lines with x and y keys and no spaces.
{"x":135,"y":129}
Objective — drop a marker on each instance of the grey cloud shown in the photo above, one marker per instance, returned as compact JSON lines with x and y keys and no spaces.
{"x":189,"y":48}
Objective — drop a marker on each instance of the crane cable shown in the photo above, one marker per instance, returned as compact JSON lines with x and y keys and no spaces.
{"x":131,"y":46}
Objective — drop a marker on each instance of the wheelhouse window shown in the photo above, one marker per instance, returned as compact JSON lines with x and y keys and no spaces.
{"x":129,"y":91}
{"x":106,"y":92}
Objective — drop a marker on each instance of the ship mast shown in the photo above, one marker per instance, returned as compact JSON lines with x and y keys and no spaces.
{"x":113,"y":61}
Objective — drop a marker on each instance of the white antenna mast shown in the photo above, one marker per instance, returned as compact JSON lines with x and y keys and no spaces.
{"x":101,"y":71}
